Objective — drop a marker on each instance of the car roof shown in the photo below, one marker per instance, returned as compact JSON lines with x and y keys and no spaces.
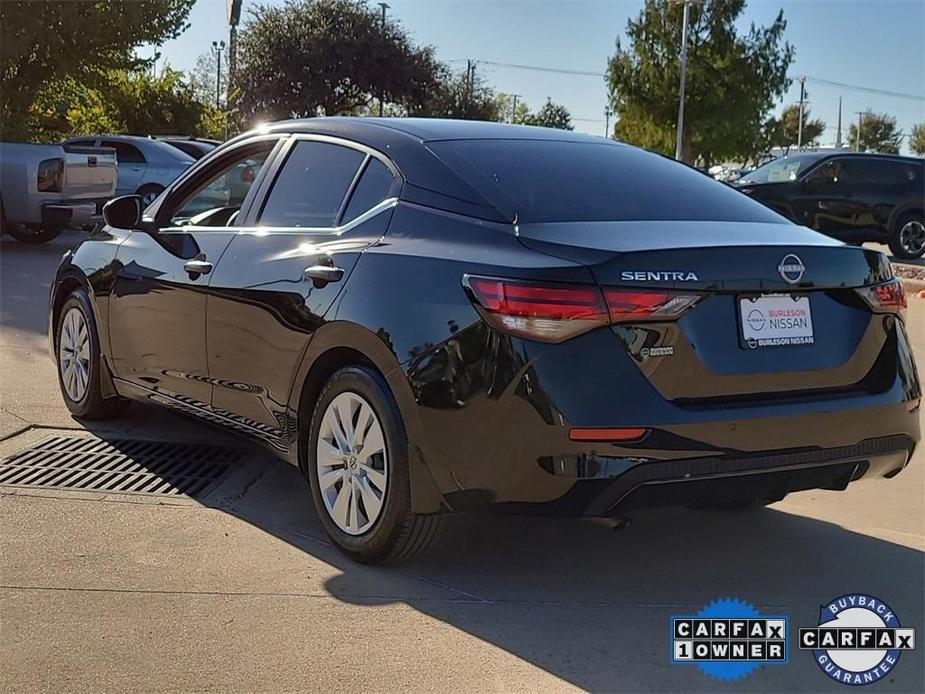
{"x":428,"y":179}
{"x":428,"y":129}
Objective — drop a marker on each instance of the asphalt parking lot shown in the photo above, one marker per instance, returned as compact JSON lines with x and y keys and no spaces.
{"x":236,"y":589}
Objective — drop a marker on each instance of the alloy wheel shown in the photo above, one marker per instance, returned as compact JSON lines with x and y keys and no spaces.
{"x":74,"y":354}
{"x":912,"y":237}
{"x":352,"y":462}
{"x":148,"y":198}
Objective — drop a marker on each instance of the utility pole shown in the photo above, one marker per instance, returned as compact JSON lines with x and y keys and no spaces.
{"x":838,"y":127}
{"x":800,"y":124}
{"x":514,"y":107}
{"x":608,"y":112}
{"x":218,"y":47}
{"x":233,"y":8}
{"x":857,"y":139}
{"x":384,"y":7}
{"x":679,"y":136}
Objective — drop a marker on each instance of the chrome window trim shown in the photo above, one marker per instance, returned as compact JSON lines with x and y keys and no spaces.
{"x":386,"y":204}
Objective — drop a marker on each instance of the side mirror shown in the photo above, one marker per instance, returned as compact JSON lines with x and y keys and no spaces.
{"x":123,"y":212}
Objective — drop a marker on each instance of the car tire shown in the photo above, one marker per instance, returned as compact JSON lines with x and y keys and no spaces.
{"x":149,"y":193}
{"x":33,"y":234}
{"x":907,"y":240}
{"x":386,"y":530}
{"x":77,"y":356}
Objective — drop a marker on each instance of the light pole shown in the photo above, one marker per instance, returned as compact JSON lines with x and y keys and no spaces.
{"x":384,"y":7}
{"x":679,"y":134}
{"x":857,"y":138}
{"x":218,"y":48}
{"x":514,"y":97}
{"x":608,"y":112}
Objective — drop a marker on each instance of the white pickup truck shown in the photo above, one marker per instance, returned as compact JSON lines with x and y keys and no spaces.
{"x":47,"y":188}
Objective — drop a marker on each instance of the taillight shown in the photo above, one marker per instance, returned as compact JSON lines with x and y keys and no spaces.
{"x":633,"y":305}
{"x":551,"y":313}
{"x":557,"y":312}
{"x":888,"y":297}
{"x":51,"y":175}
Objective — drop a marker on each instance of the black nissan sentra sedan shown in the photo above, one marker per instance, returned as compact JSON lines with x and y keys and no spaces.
{"x":430,"y":316}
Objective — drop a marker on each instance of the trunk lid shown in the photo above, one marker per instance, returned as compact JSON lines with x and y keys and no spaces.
{"x":747,"y":273}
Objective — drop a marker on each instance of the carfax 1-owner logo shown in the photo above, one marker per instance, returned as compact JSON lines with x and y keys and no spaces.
{"x":729,"y":639}
{"x":858,"y":640}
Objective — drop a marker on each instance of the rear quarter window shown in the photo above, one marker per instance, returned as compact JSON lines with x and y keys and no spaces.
{"x":562,"y":181}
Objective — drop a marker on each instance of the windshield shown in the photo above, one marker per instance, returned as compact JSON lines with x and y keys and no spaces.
{"x":569,"y":181}
{"x":781,"y":170}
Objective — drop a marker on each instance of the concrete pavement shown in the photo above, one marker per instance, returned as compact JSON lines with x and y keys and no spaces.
{"x":239,"y":591}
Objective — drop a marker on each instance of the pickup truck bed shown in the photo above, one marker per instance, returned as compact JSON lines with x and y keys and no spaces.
{"x":46,"y":188}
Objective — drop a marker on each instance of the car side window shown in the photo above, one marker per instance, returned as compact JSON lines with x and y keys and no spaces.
{"x":125,"y":153}
{"x":216,"y":200}
{"x":311,"y":186}
{"x":826,"y":173}
{"x":82,"y":143}
{"x":374,"y":186}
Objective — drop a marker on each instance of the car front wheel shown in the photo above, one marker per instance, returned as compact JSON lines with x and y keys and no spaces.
{"x":77,"y":353}
{"x":357,"y":465}
{"x":908,"y":239}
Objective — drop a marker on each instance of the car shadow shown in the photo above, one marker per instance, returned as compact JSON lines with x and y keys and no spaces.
{"x":591,"y":605}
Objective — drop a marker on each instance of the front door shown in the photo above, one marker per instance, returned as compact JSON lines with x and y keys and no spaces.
{"x":280,"y":276}
{"x":158,"y":302}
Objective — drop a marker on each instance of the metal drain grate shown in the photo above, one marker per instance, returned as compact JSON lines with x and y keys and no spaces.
{"x":118,"y":466}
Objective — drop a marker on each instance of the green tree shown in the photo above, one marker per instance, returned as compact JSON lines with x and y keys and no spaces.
{"x":733,"y":79}
{"x":203,"y":77}
{"x":551,"y":115}
{"x":511,"y":109}
{"x":878,"y":134}
{"x":47,"y":42}
{"x":917,"y":140}
{"x":132,"y":102}
{"x":785,"y":130}
{"x":461,"y":95}
{"x":314,"y":57}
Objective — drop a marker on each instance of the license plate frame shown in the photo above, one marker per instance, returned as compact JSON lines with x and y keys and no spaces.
{"x":774,"y":320}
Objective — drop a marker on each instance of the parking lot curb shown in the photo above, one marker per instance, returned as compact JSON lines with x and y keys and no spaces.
{"x":913,"y":287}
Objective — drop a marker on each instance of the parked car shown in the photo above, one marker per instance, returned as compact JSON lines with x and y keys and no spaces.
{"x":46,"y":188}
{"x":195,"y":147}
{"x":428,"y":316}
{"x":849,"y":196}
{"x":146,"y":166}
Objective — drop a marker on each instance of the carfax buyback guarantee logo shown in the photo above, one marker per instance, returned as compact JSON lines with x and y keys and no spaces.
{"x":859,"y":639}
{"x":728,"y":639}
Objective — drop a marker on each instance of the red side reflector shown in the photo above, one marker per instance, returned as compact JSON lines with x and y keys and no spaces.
{"x":606,"y":434}
{"x":913,"y":405}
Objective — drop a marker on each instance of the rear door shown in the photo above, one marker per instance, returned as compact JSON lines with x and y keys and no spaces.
{"x":328,"y":201}
{"x":132,"y":165}
{"x":158,"y":302}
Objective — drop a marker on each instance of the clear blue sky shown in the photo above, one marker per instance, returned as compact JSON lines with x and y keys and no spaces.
{"x":872,"y":43}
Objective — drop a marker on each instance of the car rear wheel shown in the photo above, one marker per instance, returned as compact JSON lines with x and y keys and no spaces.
{"x":908,"y":239}
{"x":33,"y":234}
{"x":357,"y":464}
{"x":77,"y":353}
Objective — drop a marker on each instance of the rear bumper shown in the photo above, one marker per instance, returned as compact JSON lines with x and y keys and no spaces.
{"x":72,"y":213}
{"x":714,"y":479}
{"x":511,"y":451}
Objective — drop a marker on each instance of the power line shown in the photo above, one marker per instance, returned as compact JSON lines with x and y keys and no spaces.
{"x":869,"y":90}
{"x":588,"y":73}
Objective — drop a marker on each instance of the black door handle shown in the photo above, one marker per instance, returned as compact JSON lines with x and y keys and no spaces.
{"x":322,"y":274}
{"x":197,"y":267}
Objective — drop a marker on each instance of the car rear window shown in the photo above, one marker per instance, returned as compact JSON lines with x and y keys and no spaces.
{"x":312,"y":185}
{"x":561,"y":181}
